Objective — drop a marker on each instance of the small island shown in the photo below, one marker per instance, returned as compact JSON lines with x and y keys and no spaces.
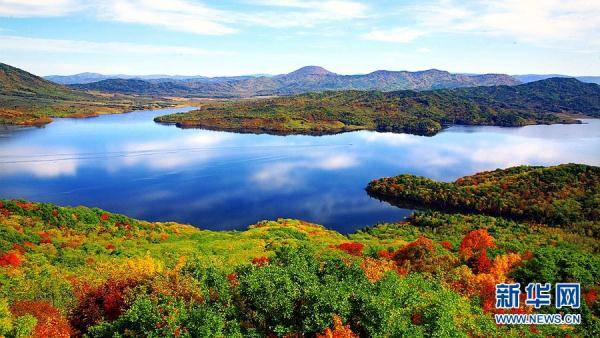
{"x":554,"y":100}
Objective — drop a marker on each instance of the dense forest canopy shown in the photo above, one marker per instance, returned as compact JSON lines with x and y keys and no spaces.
{"x":547,"y":101}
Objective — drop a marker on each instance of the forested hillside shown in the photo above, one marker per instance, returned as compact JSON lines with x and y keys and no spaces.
{"x":546,"y":101}
{"x":71,"y":271}
{"x":564,"y":195}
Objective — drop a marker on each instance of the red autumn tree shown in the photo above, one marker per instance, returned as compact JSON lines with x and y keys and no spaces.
{"x":11,"y":258}
{"x":260,"y":261}
{"x":353,"y":248}
{"x":414,"y":251}
{"x":50,"y":322}
{"x":475,"y":242}
{"x":482,"y":264}
{"x":473,"y":249}
{"x":105,"y":302}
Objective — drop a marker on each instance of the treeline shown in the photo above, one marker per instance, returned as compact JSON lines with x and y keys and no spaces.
{"x":561,"y":195}
{"x":425,"y":113}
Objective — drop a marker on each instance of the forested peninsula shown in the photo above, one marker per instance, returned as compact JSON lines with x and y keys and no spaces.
{"x":554,"y":100}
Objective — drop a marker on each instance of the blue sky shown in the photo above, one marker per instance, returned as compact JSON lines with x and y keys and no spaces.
{"x":201,"y":37}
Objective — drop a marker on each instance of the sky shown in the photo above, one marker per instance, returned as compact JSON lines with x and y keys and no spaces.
{"x":213,"y":38}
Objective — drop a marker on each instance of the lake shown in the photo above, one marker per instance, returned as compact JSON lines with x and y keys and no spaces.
{"x":128,"y":164}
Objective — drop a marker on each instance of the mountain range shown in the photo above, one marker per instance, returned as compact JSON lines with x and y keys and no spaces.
{"x":303,"y":80}
{"x":537,"y":77}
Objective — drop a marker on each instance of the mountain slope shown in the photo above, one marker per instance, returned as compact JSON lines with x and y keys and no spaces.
{"x":305,"y":79}
{"x":543,"y":102}
{"x":17,"y":82}
{"x":28,"y":99}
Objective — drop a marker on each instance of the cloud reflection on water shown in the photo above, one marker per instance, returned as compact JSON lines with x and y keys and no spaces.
{"x":223,"y":180}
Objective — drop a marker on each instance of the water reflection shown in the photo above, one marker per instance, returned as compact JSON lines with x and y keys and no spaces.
{"x":128,"y":164}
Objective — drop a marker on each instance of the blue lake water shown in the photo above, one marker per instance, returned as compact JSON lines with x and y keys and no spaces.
{"x":217,"y":180}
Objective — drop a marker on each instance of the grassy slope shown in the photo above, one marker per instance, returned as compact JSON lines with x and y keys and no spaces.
{"x":27,"y":99}
{"x":546,"y":101}
{"x":65,"y":254}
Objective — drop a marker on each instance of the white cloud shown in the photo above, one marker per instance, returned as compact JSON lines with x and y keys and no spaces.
{"x":20,"y":43}
{"x":42,"y":162}
{"x":392,"y":139}
{"x":317,"y":10}
{"x":177,"y":15}
{"x":398,"y":34}
{"x":193,"y":17}
{"x":29,"y":8}
{"x":547,"y":23}
{"x":174,"y":153}
{"x":285,"y":174}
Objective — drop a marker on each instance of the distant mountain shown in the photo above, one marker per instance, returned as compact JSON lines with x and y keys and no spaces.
{"x":83,"y":78}
{"x":536,"y":77}
{"x":303,"y":80}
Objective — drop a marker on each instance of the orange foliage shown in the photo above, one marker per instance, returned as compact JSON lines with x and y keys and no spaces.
{"x":590,"y":297}
{"x":18,"y":248}
{"x":339,"y":330}
{"x":502,"y":265}
{"x":233,"y":281}
{"x":487,"y":292}
{"x":352,"y":248}
{"x":446,"y":245}
{"x":260,"y":261}
{"x":483,"y":283}
{"x":45,"y":238}
{"x":385,"y":254}
{"x":25,"y":205}
{"x":50,"y":322}
{"x":482,"y":264}
{"x":475,"y":242}
{"x":375,"y":269}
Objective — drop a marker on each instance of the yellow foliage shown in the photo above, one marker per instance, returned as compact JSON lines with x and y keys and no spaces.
{"x":375,"y":269}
